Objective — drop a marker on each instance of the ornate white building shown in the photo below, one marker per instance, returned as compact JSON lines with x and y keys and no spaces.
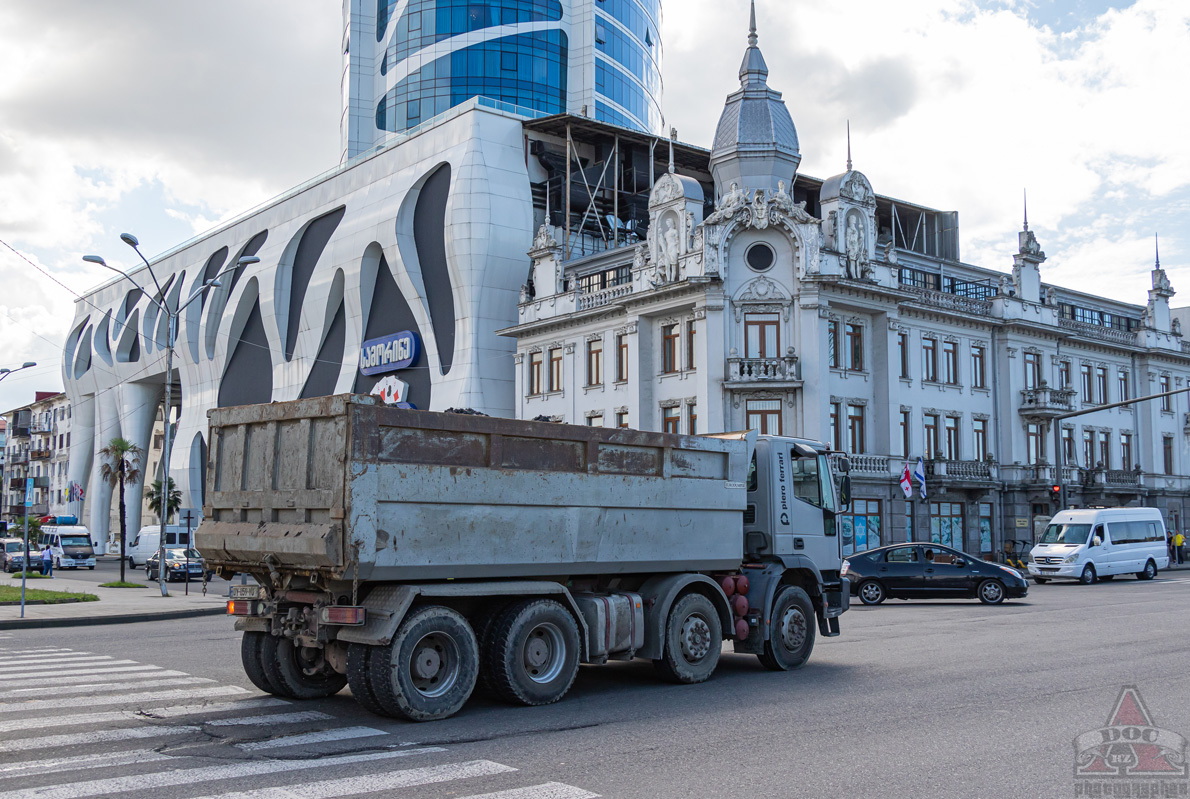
{"x":761,"y":298}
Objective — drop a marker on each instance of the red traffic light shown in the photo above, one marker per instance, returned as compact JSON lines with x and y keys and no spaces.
{"x":1056,"y":489}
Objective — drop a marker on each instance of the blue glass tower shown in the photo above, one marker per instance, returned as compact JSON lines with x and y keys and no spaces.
{"x":407,"y":61}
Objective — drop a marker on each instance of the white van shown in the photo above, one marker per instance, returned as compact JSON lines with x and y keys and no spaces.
{"x":71,"y":545}
{"x":148,"y":541}
{"x":1099,"y":543}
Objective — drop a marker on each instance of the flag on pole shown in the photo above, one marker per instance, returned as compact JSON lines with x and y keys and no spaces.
{"x":920,"y":474}
{"x":907,"y":482}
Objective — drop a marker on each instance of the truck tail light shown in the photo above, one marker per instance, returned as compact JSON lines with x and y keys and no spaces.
{"x":241,"y":607}
{"x":342,"y":614}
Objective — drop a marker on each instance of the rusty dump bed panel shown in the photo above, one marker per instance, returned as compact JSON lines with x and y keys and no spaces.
{"x":342,"y":483}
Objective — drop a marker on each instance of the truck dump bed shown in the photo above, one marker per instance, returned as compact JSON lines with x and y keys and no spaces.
{"x":353,"y":488}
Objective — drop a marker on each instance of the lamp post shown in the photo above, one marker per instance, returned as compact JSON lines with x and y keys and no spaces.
{"x":28,"y":495}
{"x":171,"y":315}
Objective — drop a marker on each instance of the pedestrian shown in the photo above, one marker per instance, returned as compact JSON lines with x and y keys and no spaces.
{"x":1179,"y":541}
{"x":47,"y":561}
{"x":1173,"y":556}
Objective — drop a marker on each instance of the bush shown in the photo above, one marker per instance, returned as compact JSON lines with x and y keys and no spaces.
{"x":30,"y":575}
{"x":118,"y":584}
{"x":12,"y":593}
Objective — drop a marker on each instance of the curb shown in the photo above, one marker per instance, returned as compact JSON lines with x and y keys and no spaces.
{"x":128,"y":618}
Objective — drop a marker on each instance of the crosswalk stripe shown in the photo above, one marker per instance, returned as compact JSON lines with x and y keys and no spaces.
{"x":79,"y":719}
{"x":150,"y":672}
{"x":94,"y":668}
{"x":550,"y":790}
{"x":325,"y":736}
{"x":96,"y":737}
{"x":101,"y":688}
{"x":123,"y":699}
{"x":37,"y":665}
{"x":165,"y":779}
{"x":56,"y":765}
{"x":44,"y":657}
{"x":35,"y":650}
{"x":373,"y":783}
{"x":276,"y":718}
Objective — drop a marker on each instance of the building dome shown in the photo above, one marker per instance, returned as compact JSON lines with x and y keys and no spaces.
{"x":756,"y":143}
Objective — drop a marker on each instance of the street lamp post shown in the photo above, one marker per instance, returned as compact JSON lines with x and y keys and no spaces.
{"x":28,"y":493}
{"x":172,"y":315}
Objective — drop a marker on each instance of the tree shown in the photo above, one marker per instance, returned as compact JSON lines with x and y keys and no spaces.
{"x":34,"y":533}
{"x":175,"y":500}
{"x":121,"y":467}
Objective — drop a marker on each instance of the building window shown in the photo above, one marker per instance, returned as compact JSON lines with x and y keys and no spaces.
{"x":950,"y":363}
{"x":1089,"y":448}
{"x":669,"y":349}
{"x":1088,"y":386}
{"x":952,"y":438}
{"x":1064,"y":375}
{"x":1126,"y":451}
{"x":595,"y":421}
{"x":691,"y":360}
{"x":980,"y":430}
{"x":1034,"y":443}
{"x":1032,"y":370}
{"x":1068,"y":453}
{"x":946,"y":524}
{"x":1122,"y":382}
{"x":832,"y":344}
{"x":978,"y":366}
{"x":931,"y":427}
{"x":764,"y":416}
{"x":1167,"y":454}
{"x":855,"y":429}
{"x":595,"y":362}
{"x":929,"y":360}
{"x":985,"y":528}
{"x":1163,"y":387}
{"x":692,"y":419}
{"x":762,"y":337}
{"x":855,"y":347}
{"x":622,"y":358}
{"x":535,"y":373}
{"x":905,"y":434}
{"x":671,"y":419}
{"x":555,"y":370}
{"x":903,"y":353}
{"x":1101,"y":384}
{"x":1105,"y":450}
{"x":861,"y":526}
{"x":836,"y":430}
{"x":622,"y":420}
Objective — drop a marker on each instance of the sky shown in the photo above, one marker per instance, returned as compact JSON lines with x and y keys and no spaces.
{"x":163,"y":118}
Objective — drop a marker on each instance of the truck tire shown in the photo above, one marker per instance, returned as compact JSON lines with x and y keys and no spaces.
{"x":531,"y":657}
{"x":270,"y":662}
{"x":791,"y":633}
{"x":250,"y":653}
{"x":305,"y":672}
{"x":693,"y":641}
{"x":483,"y":622}
{"x":1150,"y":571}
{"x":358,"y":659}
{"x":429,"y":670}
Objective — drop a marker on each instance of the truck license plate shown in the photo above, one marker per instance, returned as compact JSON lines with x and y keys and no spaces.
{"x":245,"y":592}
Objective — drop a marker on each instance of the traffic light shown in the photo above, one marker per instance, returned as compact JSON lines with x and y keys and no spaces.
{"x":1056,"y":495}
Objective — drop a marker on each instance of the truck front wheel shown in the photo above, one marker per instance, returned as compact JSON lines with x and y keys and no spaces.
{"x":532,"y":657}
{"x":428,"y":671}
{"x":693,"y":641}
{"x":791,"y":632}
{"x":305,"y":672}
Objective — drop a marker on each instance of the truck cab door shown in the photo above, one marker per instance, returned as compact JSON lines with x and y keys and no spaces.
{"x":805,"y":506}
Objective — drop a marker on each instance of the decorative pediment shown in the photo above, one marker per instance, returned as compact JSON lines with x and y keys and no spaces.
{"x":761,"y":289}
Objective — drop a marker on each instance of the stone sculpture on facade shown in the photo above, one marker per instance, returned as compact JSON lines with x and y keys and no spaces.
{"x":856,"y":250}
{"x":670,"y":253}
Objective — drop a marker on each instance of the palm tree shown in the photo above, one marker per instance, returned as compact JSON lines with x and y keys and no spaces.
{"x":121,"y":467}
{"x":174,"y":503}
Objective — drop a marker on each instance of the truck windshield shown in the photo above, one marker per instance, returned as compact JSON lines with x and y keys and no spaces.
{"x":1065,"y":534}
{"x":14,"y":546}
{"x":75,"y":541}
{"x":812,"y":481}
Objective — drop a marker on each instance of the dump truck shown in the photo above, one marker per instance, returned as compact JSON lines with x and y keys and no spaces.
{"x":414,"y":556}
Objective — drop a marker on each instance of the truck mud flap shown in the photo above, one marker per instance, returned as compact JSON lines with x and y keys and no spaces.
{"x":838,"y":600}
{"x":300,"y":546}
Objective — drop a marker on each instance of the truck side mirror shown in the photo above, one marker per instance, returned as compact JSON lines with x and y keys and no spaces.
{"x":845,"y":494}
{"x":1096,"y":541}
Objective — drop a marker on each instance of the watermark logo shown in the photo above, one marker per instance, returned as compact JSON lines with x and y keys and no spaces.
{"x":1130,"y":756}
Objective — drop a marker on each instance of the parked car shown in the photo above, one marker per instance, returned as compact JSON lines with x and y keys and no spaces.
{"x":176,"y":561}
{"x":13,"y":553}
{"x":929,"y":571}
{"x":1091,"y":544}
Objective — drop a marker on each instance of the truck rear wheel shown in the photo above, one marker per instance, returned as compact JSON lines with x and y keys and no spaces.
{"x":532,"y":654}
{"x":791,"y":632}
{"x":693,"y":641}
{"x":251,"y":646}
{"x":305,"y":672}
{"x":358,"y":659}
{"x":428,"y":671}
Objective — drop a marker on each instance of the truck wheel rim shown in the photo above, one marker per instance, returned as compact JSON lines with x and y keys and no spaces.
{"x":434,"y":666}
{"x":1150,"y":570}
{"x":871,"y":592}
{"x":544,"y":653}
{"x":992,"y":592}
{"x":793,"y":629}
{"x":696,"y":638}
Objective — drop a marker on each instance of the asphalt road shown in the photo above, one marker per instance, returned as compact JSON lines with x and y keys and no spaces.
{"x":942,"y":699}
{"x":107,"y":569}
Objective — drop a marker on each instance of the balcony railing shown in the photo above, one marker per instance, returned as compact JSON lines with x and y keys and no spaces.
{"x":863,"y":464}
{"x":762,"y":370}
{"x":598,"y":299}
{"x":1099,"y":331}
{"x":18,"y":458}
{"x":39,"y":454}
{"x":1046,"y":401}
{"x":41,"y":427}
{"x":41,"y":482}
{"x":959,"y":470}
{"x":950,"y":302}
{"x":1121,"y":477}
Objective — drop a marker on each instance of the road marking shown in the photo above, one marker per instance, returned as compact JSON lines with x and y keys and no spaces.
{"x":99,"y":736}
{"x":374,"y":783}
{"x":37,"y":650}
{"x":550,"y":790}
{"x":165,"y":779}
{"x":58,"y":764}
{"x":104,"y":688}
{"x":123,"y":699}
{"x":46,"y":657}
{"x":325,"y":736}
{"x":137,"y":715}
{"x":39,"y":665}
{"x":77,"y":679}
{"x":276,"y":718}
{"x":106,"y":668}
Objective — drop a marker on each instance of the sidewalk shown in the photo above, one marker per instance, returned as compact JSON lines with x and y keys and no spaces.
{"x":115,"y":605}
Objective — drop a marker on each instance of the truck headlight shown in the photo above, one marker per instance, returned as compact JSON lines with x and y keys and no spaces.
{"x":1071,"y":559}
{"x":846,"y":568}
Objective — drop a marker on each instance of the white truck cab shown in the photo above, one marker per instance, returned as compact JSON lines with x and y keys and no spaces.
{"x":1092,"y":543}
{"x":148,"y":541}
{"x":70,"y":544}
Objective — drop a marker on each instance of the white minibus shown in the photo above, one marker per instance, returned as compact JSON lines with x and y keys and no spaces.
{"x":148,"y":541}
{"x":1093,"y":544}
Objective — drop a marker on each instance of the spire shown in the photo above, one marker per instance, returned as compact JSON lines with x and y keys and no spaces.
{"x":752,"y":37}
{"x":1157,"y":250}
{"x":1025,"y":192}
{"x":754,"y":70}
{"x":849,"y":145}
